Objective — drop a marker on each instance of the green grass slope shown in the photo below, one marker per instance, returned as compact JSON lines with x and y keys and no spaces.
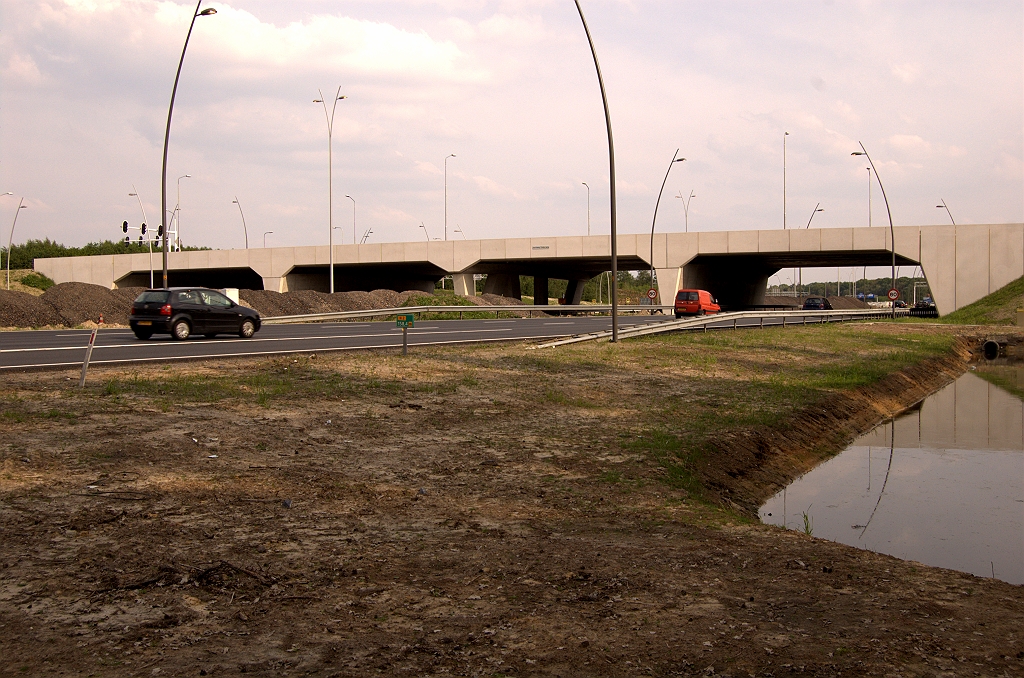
{"x":998,"y":308}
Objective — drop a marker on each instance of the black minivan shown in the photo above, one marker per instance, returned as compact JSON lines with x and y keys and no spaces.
{"x":184,"y":311}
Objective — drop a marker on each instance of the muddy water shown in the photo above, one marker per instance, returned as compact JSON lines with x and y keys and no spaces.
{"x":942,"y":484}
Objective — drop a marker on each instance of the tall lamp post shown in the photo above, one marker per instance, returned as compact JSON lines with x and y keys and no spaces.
{"x":450,"y":155}
{"x":353,"y":218}
{"x":177,"y":212}
{"x":817,"y":208}
{"x":588,"y":206}
{"x":330,"y":179}
{"x":611,"y":181}
{"x":265,"y":234}
{"x":244,"y":229}
{"x":892,"y":232}
{"x":135,"y":194}
{"x":686,"y":209}
{"x":167,"y":132}
{"x":425,"y":232}
{"x":10,"y":239}
{"x":784,"y":135}
{"x":675,"y":159}
{"x":943,"y":206}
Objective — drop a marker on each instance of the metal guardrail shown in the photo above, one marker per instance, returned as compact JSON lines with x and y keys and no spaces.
{"x":735,"y":317}
{"x":519,"y":308}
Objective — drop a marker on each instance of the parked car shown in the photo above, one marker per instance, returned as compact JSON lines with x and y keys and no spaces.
{"x":817,"y":304}
{"x":695,"y":302}
{"x":925,"y":303}
{"x":184,"y":311}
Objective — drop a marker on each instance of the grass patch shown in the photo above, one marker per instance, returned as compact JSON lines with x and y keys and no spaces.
{"x":1007,"y":378}
{"x":447,"y":298}
{"x":674,"y":455}
{"x":998,"y":308}
{"x":37,"y":280}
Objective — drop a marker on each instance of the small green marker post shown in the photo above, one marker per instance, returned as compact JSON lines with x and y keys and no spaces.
{"x":405,"y":322}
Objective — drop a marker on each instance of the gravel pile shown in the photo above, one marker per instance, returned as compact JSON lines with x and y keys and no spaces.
{"x":78,"y":302}
{"x":20,"y":309}
{"x":308,"y":301}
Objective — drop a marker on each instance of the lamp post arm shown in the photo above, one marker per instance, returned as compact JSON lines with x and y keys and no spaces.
{"x":167,"y":136}
{"x":611,"y":179}
{"x":892,"y":231}
{"x":10,"y":240}
{"x":244,"y":229}
{"x":656,"y":204}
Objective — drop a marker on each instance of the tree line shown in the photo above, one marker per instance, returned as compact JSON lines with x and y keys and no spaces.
{"x":23,"y":255}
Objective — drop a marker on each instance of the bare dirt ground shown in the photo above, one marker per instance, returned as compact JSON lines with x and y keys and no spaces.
{"x":481,"y":511}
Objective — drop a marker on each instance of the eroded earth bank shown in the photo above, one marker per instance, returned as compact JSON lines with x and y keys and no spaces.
{"x":488,"y":510}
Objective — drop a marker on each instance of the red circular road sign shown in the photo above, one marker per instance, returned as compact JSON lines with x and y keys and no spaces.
{"x":894,"y":294}
{"x":652,"y":294}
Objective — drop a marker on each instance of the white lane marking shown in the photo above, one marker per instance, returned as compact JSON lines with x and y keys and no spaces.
{"x":140,"y":344}
{"x":571,"y":322}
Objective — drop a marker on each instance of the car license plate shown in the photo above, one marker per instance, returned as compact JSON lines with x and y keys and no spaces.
{"x":145,"y":322}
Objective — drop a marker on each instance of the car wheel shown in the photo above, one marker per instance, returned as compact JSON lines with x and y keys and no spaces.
{"x":181,"y":330}
{"x":247,"y":329}
{"x":142,"y":334}
{"x":678,"y":316}
{"x":701,"y":312}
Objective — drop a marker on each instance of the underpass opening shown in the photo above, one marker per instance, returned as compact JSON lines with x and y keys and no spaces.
{"x":216,"y":278}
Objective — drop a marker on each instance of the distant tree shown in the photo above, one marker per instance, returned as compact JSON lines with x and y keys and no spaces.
{"x":22,"y":256}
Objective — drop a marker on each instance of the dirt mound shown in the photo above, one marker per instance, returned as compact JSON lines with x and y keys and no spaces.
{"x":847,"y":303}
{"x":20,"y":309}
{"x":78,"y":302}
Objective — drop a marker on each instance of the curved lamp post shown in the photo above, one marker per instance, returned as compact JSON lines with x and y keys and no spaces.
{"x":353,"y":219}
{"x":686,"y":209}
{"x":655,"y":219}
{"x":167,"y":132}
{"x":246,"y":230}
{"x":425,"y":232}
{"x":611,"y":181}
{"x":817,"y":208}
{"x":941,"y":207}
{"x":135,"y":194}
{"x":450,"y":155}
{"x":588,"y":206}
{"x":892,"y":232}
{"x":330,"y":180}
{"x":10,"y":239}
{"x":265,"y":234}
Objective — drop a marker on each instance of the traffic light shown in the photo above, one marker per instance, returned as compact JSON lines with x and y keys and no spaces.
{"x":124,"y":227}
{"x":143,"y":229}
{"x":160,"y":231}
{"x":127,"y":240}
{"x":140,"y":239}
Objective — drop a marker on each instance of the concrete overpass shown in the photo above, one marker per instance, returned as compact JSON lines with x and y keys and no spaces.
{"x":961,"y":263}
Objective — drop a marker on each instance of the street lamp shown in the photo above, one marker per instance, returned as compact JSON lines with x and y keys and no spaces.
{"x":450,"y":155}
{"x":330,"y":181}
{"x":265,"y":234}
{"x":10,"y":239}
{"x":177,"y":213}
{"x":869,"y":196}
{"x":785,"y":134}
{"x":353,"y":218}
{"x":588,"y":206}
{"x":655,"y":219}
{"x":135,"y":194}
{"x":686,"y":209}
{"x":366,"y":236}
{"x":817,"y":208}
{"x":167,"y":132}
{"x":425,"y":231}
{"x":458,"y":229}
{"x":892,"y":232}
{"x":246,"y":230}
{"x":611,"y":180}
{"x":943,"y":206}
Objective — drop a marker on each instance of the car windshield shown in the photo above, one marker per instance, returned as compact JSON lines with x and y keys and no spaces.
{"x":687,"y":296}
{"x":151,"y":296}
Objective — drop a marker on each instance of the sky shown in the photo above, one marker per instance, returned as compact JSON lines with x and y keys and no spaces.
{"x":934,"y":90}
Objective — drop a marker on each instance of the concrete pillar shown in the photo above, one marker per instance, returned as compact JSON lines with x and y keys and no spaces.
{"x":574,"y":291}
{"x":670,"y":281}
{"x":503,"y":284}
{"x":540,"y":290}
{"x":464,"y":285}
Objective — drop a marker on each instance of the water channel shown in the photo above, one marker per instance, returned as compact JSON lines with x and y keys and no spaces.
{"x":942,"y":484}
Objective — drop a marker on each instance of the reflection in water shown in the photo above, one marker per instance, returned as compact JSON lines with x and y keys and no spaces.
{"x":942,"y":484}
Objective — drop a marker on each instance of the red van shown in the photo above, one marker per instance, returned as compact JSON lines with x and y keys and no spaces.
{"x":695,"y":302}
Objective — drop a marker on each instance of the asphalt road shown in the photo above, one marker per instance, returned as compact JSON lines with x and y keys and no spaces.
{"x":66,"y":348}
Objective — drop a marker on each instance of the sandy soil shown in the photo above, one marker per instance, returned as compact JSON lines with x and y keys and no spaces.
{"x":443,"y":514}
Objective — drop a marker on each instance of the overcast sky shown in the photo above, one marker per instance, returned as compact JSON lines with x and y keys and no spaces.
{"x":934,"y":90}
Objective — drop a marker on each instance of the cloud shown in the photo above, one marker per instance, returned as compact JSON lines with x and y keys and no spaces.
{"x":23,"y":68}
{"x":907,"y":72}
{"x":909,"y":142}
{"x":491,"y":187}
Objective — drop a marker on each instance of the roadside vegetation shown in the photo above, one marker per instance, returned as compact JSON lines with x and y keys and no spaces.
{"x":998,"y":308}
